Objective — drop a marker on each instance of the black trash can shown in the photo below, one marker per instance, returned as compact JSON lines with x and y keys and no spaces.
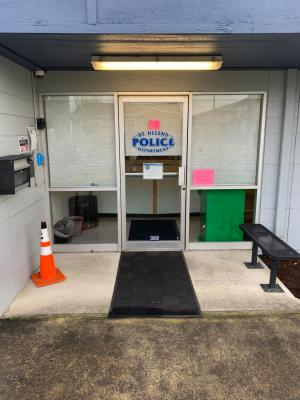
{"x":85,"y":206}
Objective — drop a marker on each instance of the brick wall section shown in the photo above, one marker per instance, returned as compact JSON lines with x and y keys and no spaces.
{"x":20,"y":214}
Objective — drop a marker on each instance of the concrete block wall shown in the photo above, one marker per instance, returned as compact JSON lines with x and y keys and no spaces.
{"x":20,"y":214}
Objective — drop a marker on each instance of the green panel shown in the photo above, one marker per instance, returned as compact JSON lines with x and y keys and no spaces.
{"x":221,"y":213}
{"x":202,"y":233}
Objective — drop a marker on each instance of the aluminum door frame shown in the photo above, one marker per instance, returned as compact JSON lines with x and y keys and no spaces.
{"x":153,"y":245}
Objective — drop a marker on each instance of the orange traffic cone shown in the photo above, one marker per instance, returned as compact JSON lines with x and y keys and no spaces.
{"x":48,"y":272}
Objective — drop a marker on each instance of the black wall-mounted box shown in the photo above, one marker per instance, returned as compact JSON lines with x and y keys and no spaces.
{"x":14,"y":173}
{"x":41,"y":123}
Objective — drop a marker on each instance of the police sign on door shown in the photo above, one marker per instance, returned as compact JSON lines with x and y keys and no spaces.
{"x":153,"y":142}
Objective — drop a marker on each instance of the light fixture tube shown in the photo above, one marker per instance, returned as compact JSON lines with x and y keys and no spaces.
{"x":157,"y":64}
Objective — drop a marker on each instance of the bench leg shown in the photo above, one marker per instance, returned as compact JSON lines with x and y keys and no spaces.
{"x":254,"y":264}
{"x":272,"y":286}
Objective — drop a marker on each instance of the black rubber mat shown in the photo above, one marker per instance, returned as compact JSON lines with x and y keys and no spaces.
{"x":153,"y":284}
{"x":154,"y":229}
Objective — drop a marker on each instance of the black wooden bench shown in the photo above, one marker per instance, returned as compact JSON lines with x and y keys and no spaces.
{"x":272,"y":247}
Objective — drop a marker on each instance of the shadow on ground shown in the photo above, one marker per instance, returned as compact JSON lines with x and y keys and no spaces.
{"x":237,"y":358}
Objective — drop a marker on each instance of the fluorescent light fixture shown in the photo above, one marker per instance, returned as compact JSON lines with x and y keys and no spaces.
{"x":176,"y":63}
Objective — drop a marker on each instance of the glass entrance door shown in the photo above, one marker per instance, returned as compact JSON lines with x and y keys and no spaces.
{"x":153,"y":171}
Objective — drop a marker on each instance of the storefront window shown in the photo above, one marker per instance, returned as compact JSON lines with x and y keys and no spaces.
{"x":225,"y":143}
{"x":81,"y":141}
{"x":225,"y":138}
{"x":84,"y":217}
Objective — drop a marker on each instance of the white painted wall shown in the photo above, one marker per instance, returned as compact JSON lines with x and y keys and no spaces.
{"x":20,"y":214}
{"x":294,"y":210}
{"x":276,"y":87}
{"x":293,"y":202}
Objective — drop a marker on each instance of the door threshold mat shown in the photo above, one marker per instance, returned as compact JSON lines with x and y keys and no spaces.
{"x":153,"y":284}
{"x":153,"y":229}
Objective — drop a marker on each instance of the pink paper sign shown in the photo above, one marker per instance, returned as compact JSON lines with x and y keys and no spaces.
{"x":202,"y":177}
{"x":154,"y":124}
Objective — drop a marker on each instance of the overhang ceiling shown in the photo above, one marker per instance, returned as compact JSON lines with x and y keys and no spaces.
{"x":73,"y":52}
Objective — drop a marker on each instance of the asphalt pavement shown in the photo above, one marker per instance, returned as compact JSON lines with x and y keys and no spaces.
{"x":193,"y":358}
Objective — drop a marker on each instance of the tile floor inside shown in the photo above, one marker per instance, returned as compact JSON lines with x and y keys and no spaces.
{"x":107,"y":231}
{"x":221,"y":281}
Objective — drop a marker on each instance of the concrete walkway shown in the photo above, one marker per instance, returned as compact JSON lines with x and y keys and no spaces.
{"x":221,"y":281}
{"x":153,"y":359}
{"x":223,"y":284}
{"x":87,"y":290}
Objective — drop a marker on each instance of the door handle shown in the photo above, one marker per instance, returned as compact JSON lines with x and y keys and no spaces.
{"x":181,"y":176}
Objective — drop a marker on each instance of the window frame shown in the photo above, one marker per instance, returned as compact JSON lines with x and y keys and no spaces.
{"x":50,"y":189}
{"x":259,"y":167}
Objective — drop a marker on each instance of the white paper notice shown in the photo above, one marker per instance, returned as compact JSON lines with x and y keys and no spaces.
{"x":153,"y":171}
{"x":33,"y":138}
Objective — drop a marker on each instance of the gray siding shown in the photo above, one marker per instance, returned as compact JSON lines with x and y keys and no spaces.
{"x":143,"y":16}
{"x":20,"y":214}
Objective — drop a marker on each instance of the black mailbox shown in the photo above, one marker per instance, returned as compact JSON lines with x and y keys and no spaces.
{"x":14,"y":173}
